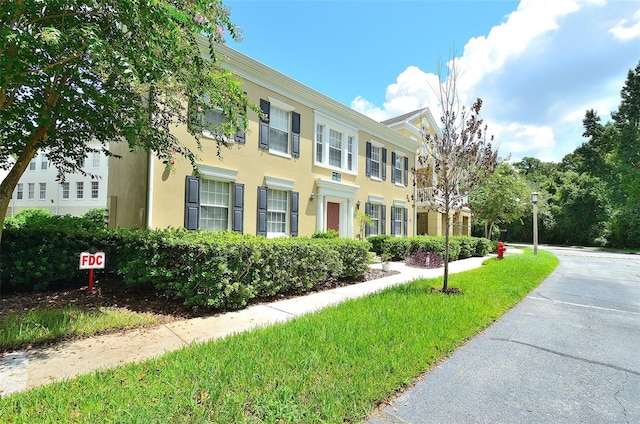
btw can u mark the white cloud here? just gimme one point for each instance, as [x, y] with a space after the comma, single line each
[626, 30]
[537, 72]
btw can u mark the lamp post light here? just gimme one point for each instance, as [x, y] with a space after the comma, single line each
[534, 200]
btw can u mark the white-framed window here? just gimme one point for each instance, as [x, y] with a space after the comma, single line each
[376, 160]
[335, 144]
[279, 130]
[397, 168]
[43, 190]
[95, 159]
[95, 189]
[396, 221]
[277, 212]
[19, 191]
[43, 162]
[215, 201]
[31, 190]
[65, 190]
[32, 165]
[374, 213]
[79, 190]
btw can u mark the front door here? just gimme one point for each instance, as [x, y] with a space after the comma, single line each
[333, 216]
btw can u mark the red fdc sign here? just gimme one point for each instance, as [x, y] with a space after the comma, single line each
[92, 260]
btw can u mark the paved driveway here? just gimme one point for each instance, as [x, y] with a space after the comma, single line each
[569, 353]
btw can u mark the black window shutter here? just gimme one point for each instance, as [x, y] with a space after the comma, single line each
[241, 135]
[406, 171]
[191, 202]
[406, 221]
[383, 219]
[261, 228]
[393, 221]
[384, 164]
[295, 134]
[263, 138]
[294, 213]
[367, 211]
[368, 167]
[393, 167]
[237, 219]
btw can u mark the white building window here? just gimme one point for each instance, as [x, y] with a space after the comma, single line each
[95, 189]
[43, 190]
[32, 165]
[65, 190]
[32, 190]
[215, 197]
[335, 144]
[79, 190]
[277, 212]
[44, 162]
[19, 191]
[95, 159]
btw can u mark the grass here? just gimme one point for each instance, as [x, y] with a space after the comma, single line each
[43, 325]
[332, 366]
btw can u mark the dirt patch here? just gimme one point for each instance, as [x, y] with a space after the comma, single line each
[112, 292]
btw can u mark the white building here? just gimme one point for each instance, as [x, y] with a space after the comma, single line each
[38, 187]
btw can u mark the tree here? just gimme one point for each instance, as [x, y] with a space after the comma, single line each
[75, 71]
[459, 153]
[503, 198]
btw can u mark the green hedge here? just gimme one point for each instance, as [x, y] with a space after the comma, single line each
[460, 247]
[216, 270]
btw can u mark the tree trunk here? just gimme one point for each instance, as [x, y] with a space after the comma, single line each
[11, 180]
[445, 283]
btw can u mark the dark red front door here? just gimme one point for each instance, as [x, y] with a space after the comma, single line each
[333, 216]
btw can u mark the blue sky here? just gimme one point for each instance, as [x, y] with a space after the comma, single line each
[537, 64]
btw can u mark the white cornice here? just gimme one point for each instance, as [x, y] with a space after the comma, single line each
[256, 72]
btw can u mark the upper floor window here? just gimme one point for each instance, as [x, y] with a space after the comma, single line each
[399, 169]
[376, 161]
[95, 159]
[32, 165]
[335, 144]
[43, 162]
[279, 128]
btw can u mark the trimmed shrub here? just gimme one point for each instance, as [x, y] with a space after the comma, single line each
[329, 234]
[377, 242]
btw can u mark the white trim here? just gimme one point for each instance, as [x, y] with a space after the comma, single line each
[399, 203]
[280, 104]
[278, 183]
[335, 188]
[222, 174]
[149, 193]
[377, 200]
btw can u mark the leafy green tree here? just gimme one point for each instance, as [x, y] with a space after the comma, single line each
[75, 71]
[460, 155]
[503, 198]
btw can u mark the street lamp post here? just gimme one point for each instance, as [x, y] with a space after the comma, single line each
[534, 200]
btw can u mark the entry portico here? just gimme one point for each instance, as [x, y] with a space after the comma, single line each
[335, 207]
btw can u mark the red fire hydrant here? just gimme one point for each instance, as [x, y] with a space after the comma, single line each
[501, 250]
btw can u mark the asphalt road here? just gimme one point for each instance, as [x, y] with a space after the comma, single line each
[569, 353]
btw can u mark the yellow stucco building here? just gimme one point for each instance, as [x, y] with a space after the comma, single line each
[312, 166]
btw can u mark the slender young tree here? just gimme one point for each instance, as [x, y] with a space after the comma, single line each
[457, 157]
[75, 71]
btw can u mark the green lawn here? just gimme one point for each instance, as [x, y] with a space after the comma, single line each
[332, 366]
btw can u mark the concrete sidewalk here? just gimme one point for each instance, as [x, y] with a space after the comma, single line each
[25, 369]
